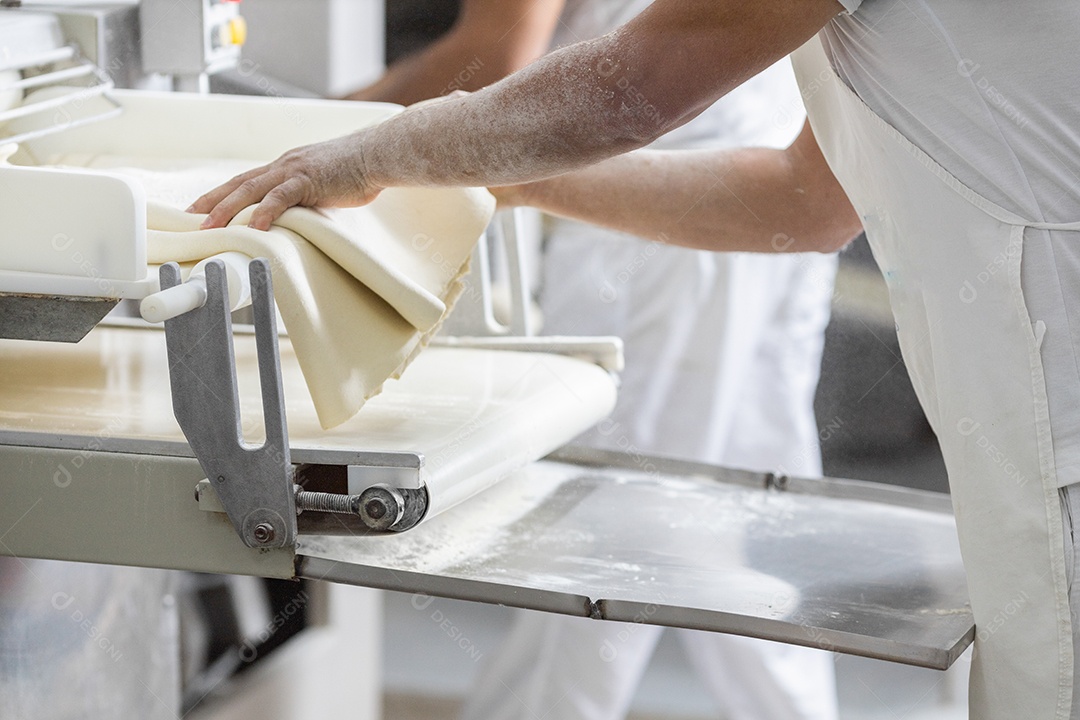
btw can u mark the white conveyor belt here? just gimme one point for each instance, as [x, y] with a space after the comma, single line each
[473, 415]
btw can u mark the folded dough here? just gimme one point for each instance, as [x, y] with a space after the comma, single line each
[360, 290]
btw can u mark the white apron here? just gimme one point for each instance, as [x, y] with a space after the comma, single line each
[951, 260]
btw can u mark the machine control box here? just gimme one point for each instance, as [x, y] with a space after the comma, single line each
[191, 37]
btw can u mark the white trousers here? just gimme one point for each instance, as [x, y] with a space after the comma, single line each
[567, 668]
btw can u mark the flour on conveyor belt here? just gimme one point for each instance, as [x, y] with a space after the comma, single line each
[361, 290]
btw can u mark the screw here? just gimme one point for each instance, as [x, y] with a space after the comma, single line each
[264, 533]
[376, 509]
[327, 502]
[381, 507]
[221, 478]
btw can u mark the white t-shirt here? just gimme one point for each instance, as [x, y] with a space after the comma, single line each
[986, 88]
[991, 90]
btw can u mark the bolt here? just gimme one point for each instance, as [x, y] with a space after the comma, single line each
[376, 509]
[221, 478]
[381, 507]
[264, 533]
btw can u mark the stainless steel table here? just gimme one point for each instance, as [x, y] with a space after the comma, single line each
[839, 565]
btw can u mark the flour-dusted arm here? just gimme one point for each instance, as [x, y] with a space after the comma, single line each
[574, 107]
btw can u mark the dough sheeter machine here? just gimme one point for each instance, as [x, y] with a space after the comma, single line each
[191, 447]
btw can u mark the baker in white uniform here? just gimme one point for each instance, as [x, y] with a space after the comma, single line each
[722, 354]
[950, 129]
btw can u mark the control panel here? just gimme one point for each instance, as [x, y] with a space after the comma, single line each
[191, 37]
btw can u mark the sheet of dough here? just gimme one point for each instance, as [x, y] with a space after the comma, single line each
[360, 290]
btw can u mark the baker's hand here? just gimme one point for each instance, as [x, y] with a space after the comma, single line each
[327, 174]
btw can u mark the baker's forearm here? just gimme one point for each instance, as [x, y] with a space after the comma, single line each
[592, 100]
[757, 200]
[523, 128]
[451, 63]
[411, 80]
[489, 40]
[572, 108]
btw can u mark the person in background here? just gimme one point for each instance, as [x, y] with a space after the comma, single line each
[722, 353]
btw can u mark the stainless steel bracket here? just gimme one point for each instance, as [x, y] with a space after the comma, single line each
[64, 108]
[474, 313]
[254, 484]
[55, 318]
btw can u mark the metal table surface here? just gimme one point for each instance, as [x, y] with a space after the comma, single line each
[839, 565]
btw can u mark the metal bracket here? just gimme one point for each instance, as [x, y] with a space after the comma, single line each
[474, 314]
[56, 318]
[64, 107]
[254, 484]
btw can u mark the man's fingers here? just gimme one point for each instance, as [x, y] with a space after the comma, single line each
[276, 202]
[209, 201]
[248, 192]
